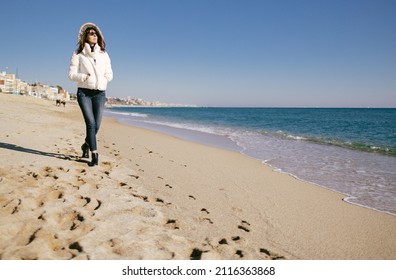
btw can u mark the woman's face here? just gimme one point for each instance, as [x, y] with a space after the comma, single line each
[92, 37]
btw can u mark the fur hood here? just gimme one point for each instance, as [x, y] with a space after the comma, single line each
[84, 27]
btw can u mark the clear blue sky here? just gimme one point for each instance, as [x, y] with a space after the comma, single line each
[338, 53]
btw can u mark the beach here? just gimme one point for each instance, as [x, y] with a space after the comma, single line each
[157, 197]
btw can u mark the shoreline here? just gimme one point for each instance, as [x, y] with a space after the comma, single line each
[155, 196]
[177, 132]
[225, 142]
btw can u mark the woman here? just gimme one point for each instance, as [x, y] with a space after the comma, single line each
[90, 67]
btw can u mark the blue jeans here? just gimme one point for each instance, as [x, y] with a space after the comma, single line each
[92, 105]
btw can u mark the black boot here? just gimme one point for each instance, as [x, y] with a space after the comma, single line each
[85, 150]
[95, 159]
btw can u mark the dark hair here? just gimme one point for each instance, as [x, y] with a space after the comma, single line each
[101, 42]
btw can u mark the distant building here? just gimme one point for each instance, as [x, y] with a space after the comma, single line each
[10, 84]
[130, 101]
[44, 91]
[2, 81]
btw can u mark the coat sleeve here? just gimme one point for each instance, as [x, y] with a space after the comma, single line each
[109, 71]
[74, 75]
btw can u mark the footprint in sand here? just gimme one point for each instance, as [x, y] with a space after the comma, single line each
[174, 224]
[143, 197]
[99, 204]
[13, 205]
[41, 217]
[50, 172]
[239, 253]
[88, 200]
[244, 226]
[206, 220]
[271, 255]
[163, 203]
[33, 174]
[234, 239]
[33, 236]
[223, 241]
[196, 254]
[76, 246]
[77, 221]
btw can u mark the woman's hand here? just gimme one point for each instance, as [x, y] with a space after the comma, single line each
[86, 77]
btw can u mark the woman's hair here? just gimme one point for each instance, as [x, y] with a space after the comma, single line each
[83, 40]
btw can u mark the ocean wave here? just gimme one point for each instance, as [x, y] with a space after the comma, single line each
[364, 147]
[139, 115]
[188, 126]
[359, 146]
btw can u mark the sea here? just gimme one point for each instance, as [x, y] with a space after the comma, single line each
[349, 150]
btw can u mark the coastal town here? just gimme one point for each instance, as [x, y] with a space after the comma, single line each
[11, 84]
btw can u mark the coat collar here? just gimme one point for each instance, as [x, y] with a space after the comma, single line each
[87, 50]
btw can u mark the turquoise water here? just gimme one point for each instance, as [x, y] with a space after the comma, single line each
[352, 151]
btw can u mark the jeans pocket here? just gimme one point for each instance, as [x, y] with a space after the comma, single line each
[80, 93]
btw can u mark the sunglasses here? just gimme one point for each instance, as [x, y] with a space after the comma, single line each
[92, 33]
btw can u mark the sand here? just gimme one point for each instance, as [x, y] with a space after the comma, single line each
[156, 197]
